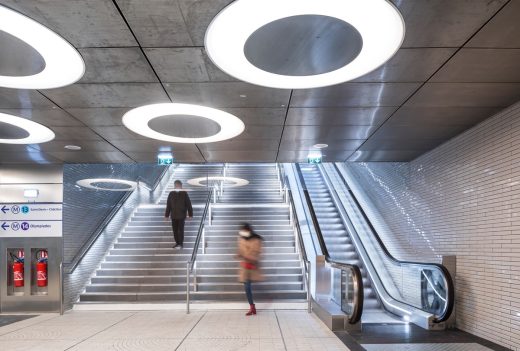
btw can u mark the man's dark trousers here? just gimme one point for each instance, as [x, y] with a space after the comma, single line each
[178, 230]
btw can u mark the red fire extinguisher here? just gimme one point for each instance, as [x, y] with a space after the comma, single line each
[18, 269]
[41, 268]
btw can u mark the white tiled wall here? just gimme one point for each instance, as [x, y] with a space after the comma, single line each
[463, 199]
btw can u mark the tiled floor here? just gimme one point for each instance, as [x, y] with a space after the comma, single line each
[171, 330]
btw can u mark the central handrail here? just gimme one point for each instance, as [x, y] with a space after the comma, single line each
[450, 288]
[354, 269]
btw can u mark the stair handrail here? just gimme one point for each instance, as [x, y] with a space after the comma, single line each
[103, 223]
[358, 288]
[450, 288]
[191, 263]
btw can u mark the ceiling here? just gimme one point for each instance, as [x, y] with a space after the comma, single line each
[459, 64]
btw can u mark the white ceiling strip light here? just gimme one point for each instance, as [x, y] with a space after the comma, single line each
[380, 24]
[37, 132]
[137, 121]
[63, 64]
[89, 184]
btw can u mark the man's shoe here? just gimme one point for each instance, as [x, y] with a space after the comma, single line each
[175, 246]
[178, 247]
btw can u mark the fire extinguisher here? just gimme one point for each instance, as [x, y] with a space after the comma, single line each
[18, 269]
[41, 268]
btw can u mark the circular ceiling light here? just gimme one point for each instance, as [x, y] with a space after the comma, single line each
[96, 183]
[298, 44]
[138, 120]
[320, 146]
[63, 64]
[72, 147]
[236, 181]
[19, 130]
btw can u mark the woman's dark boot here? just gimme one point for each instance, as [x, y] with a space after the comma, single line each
[252, 310]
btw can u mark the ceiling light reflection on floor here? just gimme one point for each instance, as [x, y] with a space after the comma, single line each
[63, 64]
[37, 133]
[137, 120]
[378, 22]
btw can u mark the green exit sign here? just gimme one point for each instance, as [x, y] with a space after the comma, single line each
[314, 158]
[165, 159]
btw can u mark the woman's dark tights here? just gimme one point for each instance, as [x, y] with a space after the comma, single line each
[249, 292]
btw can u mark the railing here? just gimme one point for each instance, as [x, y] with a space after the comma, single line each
[191, 264]
[435, 298]
[71, 267]
[351, 277]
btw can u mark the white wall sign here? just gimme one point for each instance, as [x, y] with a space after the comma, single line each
[31, 220]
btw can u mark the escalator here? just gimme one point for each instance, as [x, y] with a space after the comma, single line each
[421, 293]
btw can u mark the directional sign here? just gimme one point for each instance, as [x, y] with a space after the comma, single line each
[5, 226]
[5, 209]
[30, 229]
[31, 220]
[45, 212]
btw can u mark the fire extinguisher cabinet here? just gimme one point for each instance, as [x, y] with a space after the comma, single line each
[32, 280]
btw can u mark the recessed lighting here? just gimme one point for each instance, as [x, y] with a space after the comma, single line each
[236, 181]
[320, 146]
[63, 64]
[137, 121]
[243, 96]
[37, 133]
[378, 22]
[90, 184]
[72, 147]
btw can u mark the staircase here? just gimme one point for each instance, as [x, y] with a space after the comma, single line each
[143, 267]
[335, 234]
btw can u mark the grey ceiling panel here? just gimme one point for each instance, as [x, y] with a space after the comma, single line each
[466, 95]
[354, 95]
[178, 64]
[301, 155]
[114, 65]
[441, 115]
[49, 117]
[482, 65]
[27, 156]
[180, 156]
[338, 116]
[23, 99]
[85, 23]
[242, 144]
[307, 144]
[259, 116]
[156, 23]
[240, 156]
[444, 23]
[215, 73]
[227, 94]
[503, 31]
[327, 133]
[260, 132]
[151, 146]
[86, 146]
[75, 133]
[198, 15]
[385, 156]
[91, 157]
[108, 95]
[410, 65]
[98, 117]
[117, 133]
[419, 131]
[399, 143]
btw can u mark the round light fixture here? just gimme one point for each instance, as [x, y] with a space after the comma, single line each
[31, 132]
[138, 119]
[72, 147]
[63, 64]
[91, 184]
[293, 44]
[236, 181]
[320, 146]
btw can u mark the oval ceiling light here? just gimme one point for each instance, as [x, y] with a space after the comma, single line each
[63, 64]
[138, 119]
[246, 38]
[91, 184]
[33, 133]
[236, 182]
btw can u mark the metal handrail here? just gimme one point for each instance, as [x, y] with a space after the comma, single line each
[354, 269]
[103, 223]
[450, 288]
[191, 263]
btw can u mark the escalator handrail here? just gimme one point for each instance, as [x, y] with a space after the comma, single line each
[450, 288]
[356, 272]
